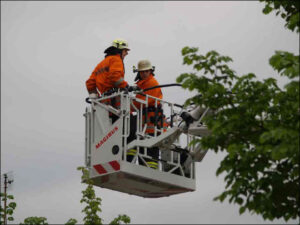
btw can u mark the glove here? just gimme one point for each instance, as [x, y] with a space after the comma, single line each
[93, 96]
[133, 88]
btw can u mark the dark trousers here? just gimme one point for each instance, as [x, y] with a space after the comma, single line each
[133, 128]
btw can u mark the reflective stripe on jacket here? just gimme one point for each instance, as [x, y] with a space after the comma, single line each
[109, 73]
[156, 117]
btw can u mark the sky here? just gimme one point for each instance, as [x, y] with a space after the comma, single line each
[48, 51]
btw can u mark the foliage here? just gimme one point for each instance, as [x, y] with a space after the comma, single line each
[90, 210]
[11, 206]
[71, 221]
[288, 10]
[93, 203]
[257, 123]
[286, 64]
[34, 220]
[120, 218]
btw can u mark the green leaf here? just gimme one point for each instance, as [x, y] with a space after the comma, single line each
[239, 201]
[9, 211]
[187, 50]
[71, 221]
[10, 197]
[12, 205]
[242, 210]
[267, 9]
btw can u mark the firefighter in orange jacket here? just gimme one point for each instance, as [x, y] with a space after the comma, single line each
[109, 73]
[145, 79]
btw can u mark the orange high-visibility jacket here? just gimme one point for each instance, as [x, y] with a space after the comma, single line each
[147, 83]
[109, 73]
[150, 120]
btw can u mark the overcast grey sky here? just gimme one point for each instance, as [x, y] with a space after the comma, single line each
[49, 49]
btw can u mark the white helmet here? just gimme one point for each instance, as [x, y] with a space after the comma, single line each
[120, 44]
[144, 65]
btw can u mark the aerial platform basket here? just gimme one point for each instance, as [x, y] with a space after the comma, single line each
[142, 181]
[106, 149]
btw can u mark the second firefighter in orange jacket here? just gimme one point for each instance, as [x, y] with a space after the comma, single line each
[154, 116]
[147, 80]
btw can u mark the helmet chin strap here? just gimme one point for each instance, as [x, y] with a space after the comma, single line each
[138, 77]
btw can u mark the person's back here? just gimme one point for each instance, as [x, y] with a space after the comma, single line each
[109, 73]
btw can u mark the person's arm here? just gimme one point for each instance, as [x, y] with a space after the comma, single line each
[91, 84]
[116, 73]
[156, 92]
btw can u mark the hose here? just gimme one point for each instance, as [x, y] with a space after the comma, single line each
[161, 86]
[87, 100]
[147, 89]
